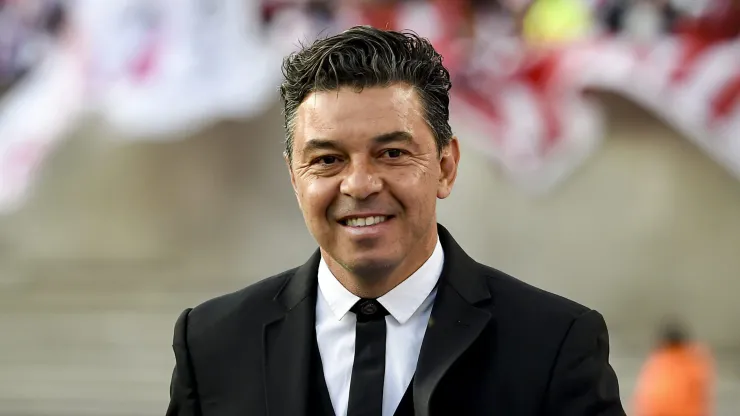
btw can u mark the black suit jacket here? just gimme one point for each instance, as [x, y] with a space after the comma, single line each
[494, 346]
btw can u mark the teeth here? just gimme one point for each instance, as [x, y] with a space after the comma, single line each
[364, 222]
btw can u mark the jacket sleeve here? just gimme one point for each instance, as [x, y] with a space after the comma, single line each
[582, 382]
[184, 400]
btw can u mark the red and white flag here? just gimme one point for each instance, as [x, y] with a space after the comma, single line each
[537, 124]
[34, 116]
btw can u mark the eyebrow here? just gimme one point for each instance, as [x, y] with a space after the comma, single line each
[383, 139]
[394, 137]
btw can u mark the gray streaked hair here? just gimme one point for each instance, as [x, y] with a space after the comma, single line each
[364, 57]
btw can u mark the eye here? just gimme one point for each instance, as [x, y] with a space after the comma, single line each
[326, 160]
[394, 153]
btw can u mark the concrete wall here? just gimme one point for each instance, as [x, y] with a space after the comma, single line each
[122, 237]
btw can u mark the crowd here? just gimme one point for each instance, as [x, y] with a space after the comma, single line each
[27, 27]
[139, 58]
[490, 36]
[541, 19]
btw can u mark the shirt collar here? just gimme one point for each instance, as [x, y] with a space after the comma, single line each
[401, 302]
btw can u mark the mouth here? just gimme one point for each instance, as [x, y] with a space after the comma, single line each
[367, 221]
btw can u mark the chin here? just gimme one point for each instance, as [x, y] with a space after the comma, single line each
[371, 267]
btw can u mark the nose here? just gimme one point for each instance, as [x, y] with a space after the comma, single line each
[362, 181]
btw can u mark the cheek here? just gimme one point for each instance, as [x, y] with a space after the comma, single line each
[416, 191]
[315, 197]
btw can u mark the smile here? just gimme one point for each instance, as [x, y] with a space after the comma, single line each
[365, 221]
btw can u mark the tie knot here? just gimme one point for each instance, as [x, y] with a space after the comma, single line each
[369, 310]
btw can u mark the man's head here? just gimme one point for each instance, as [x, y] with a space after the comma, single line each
[368, 135]
[364, 57]
[673, 333]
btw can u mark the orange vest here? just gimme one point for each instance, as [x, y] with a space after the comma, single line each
[675, 381]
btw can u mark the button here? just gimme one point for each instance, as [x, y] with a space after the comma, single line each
[369, 308]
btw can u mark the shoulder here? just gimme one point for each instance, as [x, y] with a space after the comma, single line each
[522, 296]
[240, 308]
[539, 325]
[522, 306]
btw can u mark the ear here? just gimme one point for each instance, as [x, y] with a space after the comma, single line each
[449, 159]
[292, 176]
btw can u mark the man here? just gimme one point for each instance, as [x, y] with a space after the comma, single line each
[644, 20]
[678, 377]
[389, 316]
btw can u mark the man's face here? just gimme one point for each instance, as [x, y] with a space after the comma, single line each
[367, 175]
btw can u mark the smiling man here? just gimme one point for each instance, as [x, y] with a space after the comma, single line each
[389, 316]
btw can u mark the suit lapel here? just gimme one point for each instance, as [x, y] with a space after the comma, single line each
[287, 341]
[455, 322]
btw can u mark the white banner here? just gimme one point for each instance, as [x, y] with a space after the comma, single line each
[154, 69]
[162, 68]
[34, 116]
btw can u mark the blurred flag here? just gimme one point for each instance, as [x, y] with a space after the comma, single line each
[534, 123]
[539, 127]
[34, 116]
[162, 68]
[153, 69]
[157, 69]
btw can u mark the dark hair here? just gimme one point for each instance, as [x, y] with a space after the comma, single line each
[56, 19]
[364, 57]
[673, 333]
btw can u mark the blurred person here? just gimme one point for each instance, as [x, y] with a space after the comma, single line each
[677, 378]
[287, 22]
[458, 17]
[320, 9]
[518, 10]
[389, 316]
[495, 24]
[379, 13]
[641, 18]
[556, 21]
[28, 30]
[648, 20]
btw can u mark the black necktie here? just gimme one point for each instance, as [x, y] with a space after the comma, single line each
[368, 370]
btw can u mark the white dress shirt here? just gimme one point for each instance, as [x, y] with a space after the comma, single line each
[409, 305]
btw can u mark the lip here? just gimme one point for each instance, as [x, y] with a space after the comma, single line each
[368, 230]
[363, 215]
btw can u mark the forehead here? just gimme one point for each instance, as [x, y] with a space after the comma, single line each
[347, 113]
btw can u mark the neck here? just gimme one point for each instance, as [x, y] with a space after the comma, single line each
[375, 282]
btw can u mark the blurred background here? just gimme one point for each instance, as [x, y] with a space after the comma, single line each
[141, 173]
